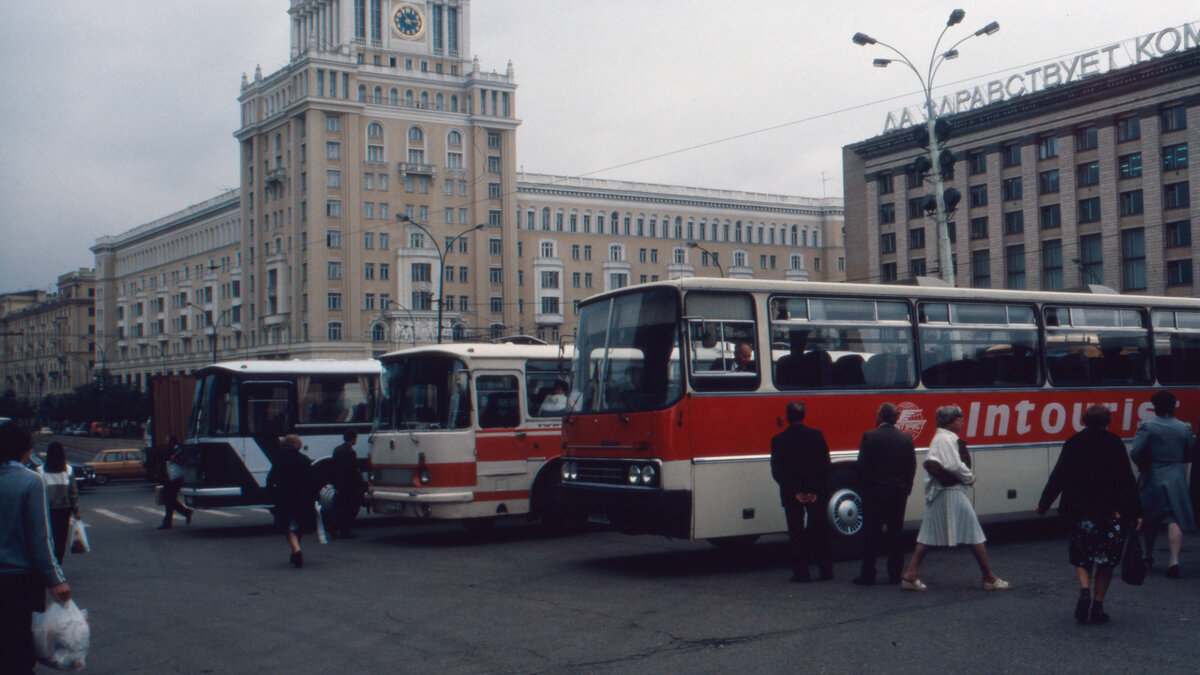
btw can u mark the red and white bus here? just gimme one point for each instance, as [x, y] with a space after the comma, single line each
[664, 436]
[470, 431]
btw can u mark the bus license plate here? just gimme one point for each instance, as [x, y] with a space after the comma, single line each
[598, 519]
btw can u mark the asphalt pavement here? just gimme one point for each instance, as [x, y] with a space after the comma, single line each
[219, 596]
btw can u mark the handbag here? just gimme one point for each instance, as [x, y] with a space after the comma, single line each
[1133, 562]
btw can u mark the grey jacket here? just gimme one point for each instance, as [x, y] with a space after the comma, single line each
[25, 545]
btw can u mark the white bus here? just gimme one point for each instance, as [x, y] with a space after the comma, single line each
[470, 432]
[241, 409]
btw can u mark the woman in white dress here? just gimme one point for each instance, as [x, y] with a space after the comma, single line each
[949, 517]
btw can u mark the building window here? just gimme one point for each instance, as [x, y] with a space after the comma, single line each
[496, 276]
[1088, 174]
[421, 272]
[1012, 188]
[333, 150]
[884, 181]
[979, 228]
[335, 331]
[916, 238]
[1086, 138]
[1173, 117]
[1133, 259]
[1178, 233]
[550, 280]
[981, 269]
[334, 301]
[1048, 182]
[333, 208]
[1014, 222]
[333, 269]
[976, 162]
[915, 210]
[887, 213]
[916, 267]
[887, 242]
[1011, 154]
[493, 164]
[1050, 216]
[887, 272]
[1129, 129]
[977, 195]
[1052, 271]
[1091, 270]
[1175, 196]
[384, 271]
[1130, 166]
[1131, 202]
[368, 270]
[1179, 272]
[333, 123]
[333, 238]
[1047, 147]
[1175, 157]
[1089, 210]
[1014, 267]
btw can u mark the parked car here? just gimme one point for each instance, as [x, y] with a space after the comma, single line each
[118, 463]
[100, 429]
[45, 431]
[84, 477]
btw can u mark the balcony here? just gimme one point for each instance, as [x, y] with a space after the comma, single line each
[546, 319]
[278, 174]
[416, 169]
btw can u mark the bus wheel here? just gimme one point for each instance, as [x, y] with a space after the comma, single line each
[845, 515]
[734, 542]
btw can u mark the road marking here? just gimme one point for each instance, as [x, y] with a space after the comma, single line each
[214, 512]
[118, 517]
[257, 510]
[147, 509]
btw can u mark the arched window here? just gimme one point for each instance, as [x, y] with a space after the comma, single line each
[408, 97]
[415, 135]
[680, 255]
[459, 332]
[378, 333]
[691, 229]
[546, 218]
[424, 100]
[453, 102]
[454, 138]
[795, 236]
[804, 238]
[678, 227]
[438, 101]
[393, 97]
[454, 154]
[377, 95]
[817, 237]
[362, 93]
[375, 130]
[530, 219]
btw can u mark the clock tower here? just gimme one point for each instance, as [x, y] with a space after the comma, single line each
[368, 164]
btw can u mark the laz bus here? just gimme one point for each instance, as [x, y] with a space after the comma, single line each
[470, 432]
[665, 435]
[241, 409]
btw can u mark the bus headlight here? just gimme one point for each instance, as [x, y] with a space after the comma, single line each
[423, 475]
[570, 471]
[635, 474]
[648, 474]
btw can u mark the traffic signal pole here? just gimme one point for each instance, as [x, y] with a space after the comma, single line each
[945, 255]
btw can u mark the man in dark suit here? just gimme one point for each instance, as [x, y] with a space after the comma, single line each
[887, 463]
[800, 464]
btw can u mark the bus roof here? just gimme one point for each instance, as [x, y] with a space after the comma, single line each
[486, 350]
[297, 366]
[1097, 294]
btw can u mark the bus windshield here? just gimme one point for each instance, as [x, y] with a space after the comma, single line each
[627, 353]
[427, 392]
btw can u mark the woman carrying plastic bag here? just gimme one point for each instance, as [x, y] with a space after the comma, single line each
[79, 539]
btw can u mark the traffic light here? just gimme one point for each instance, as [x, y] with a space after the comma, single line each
[951, 196]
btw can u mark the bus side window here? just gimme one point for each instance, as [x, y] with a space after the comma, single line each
[499, 401]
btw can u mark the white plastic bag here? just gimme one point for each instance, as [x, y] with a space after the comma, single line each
[79, 540]
[62, 636]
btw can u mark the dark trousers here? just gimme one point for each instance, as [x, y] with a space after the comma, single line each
[20, 596]
[880, 512]
[345, 508]
[171, 501]
[808, 538]
[60, 531]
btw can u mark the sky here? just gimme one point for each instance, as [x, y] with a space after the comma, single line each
[119, 112]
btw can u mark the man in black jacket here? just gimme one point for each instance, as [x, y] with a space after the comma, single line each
[800, 464]
[887, 464]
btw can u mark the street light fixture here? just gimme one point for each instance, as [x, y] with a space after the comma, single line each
[442, 253]
[936, 59]
[715, 259]
[212, 323]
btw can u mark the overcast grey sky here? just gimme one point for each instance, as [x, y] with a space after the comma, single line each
[118, 112]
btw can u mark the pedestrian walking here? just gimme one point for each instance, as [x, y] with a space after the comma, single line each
[950, 519]
[346, 478]
[27, 564]
[800, 464]
[62, 496]
[295, 501]
[1161, 449]
[887, 465]
[177, 463]
[1100, 497]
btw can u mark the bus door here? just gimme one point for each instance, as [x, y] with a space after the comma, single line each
[501, 441]
[270, 412]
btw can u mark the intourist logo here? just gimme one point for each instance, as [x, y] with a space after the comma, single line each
[911, 421]
[1026, 418]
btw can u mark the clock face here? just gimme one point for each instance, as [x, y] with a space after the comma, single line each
[408, 21]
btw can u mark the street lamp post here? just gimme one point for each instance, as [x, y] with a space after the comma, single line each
[936, 59]
[715, 259]
[442, 253]
[212, 323]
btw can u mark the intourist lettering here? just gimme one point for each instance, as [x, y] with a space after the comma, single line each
[1059, 72]
[1026, 418]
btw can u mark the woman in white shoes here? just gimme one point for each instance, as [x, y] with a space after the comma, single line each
[950, 519]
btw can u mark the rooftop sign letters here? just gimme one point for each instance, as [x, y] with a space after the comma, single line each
[1071, 69]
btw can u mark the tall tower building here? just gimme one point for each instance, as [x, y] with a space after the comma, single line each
[379, 113]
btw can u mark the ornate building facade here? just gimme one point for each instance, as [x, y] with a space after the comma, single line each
[48, 341]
